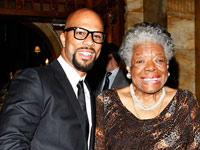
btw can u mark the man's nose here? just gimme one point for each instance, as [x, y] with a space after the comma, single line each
[89, 40]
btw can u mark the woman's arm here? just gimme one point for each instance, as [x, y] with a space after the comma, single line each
[100, 132]
[194, 137]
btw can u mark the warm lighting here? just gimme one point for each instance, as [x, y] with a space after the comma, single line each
[46, 61]
[37, 49]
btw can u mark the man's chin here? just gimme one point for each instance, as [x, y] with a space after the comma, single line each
[83, 68]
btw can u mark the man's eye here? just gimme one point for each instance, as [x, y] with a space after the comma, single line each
[96, 36]
[80, 33]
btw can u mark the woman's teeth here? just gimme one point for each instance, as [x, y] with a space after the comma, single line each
[150, 79]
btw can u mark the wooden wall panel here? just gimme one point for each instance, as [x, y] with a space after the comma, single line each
[197, 48]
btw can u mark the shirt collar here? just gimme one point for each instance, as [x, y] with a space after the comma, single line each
[71, 74]
[115, 71]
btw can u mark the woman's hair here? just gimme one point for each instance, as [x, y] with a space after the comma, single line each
[145, 32]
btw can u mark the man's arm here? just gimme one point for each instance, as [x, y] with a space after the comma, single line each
[22, 111]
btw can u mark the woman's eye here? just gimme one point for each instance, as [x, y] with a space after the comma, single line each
[139, 61]
[159, 60]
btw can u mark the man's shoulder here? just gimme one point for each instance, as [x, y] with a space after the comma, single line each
[42, 71]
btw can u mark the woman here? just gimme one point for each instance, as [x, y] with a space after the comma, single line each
[147, 115]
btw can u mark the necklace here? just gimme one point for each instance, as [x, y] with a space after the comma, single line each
[142, 106]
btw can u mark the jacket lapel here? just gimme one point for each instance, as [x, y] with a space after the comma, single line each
[70, 95]
[93, 115]
[92, 101]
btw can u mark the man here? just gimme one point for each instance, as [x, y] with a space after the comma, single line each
[114, 76]
[42, 111]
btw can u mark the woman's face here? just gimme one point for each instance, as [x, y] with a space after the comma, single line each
[149, 68]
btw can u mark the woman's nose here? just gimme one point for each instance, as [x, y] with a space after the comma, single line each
[150, 66]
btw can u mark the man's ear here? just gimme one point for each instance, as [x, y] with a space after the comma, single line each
[62, 39]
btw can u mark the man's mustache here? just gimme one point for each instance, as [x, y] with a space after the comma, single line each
[90, 48]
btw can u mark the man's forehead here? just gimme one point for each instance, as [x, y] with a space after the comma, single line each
[84, 17]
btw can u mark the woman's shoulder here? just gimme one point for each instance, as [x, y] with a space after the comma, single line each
[108, 92]
[185, 93]
[112, 95]
[179, 92]
[123, 91]
[170, 91]
[185, 96]
[180, 96]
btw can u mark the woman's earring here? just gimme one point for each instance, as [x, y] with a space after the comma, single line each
[128, 75]
[168, 74]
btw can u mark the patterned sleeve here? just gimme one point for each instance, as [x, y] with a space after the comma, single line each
[194, 138]
[99, 133]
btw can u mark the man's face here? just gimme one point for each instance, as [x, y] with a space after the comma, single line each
[81, 54]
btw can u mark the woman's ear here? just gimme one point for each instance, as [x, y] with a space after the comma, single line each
[128, 75]
[128, 69]
[62, 39]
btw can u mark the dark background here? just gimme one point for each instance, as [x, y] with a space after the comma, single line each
[17, 43]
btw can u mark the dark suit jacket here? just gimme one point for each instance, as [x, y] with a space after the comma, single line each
[120, 81]
[43, 113]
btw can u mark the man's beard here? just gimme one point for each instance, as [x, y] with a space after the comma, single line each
[80, 67]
